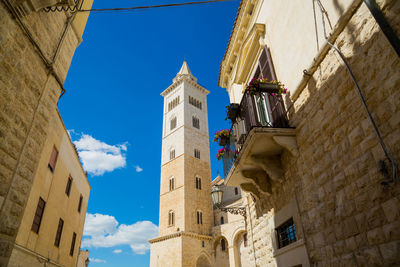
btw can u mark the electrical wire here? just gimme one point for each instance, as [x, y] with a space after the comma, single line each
[376, 129]
[154, 6]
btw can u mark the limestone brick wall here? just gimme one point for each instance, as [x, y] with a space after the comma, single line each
[346, 217]
[166, 253]
[28, 96]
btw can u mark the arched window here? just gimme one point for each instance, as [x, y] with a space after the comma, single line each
[173, 123]
[222, 219]
[245, 239]
[236, 191]
[199, 217]
[172, 154]
[223, 245]
[198, 183]
[197, 153]
[196, 122]
[171, 183]
[171, 218]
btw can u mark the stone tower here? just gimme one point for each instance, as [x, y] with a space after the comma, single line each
[185, 220]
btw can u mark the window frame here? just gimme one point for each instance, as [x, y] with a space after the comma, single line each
[287, 230]
[197, 153]
[60, 227]
[69, 185]
[172, 123]
[72, 249]
[80, 203]
[171, 218]
[171, 184]
[199, 217]
[53, 159]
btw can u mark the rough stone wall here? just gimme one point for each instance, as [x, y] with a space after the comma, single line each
[348, 217]
[28, 96]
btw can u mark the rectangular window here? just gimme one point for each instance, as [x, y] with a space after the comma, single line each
[69, 184]
[80, 203]
[171, 184]
[197, 153]
[286, 233]
[198, 183]
[71, 251]
[59, 232]
[38, 215]
[53, 159]
[171, 218]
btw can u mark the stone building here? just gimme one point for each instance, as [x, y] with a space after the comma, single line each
[320, 182]
[36, 49]
[186, 215]
[191, 232]
[52, 224]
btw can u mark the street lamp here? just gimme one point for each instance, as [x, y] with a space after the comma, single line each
[216, 196]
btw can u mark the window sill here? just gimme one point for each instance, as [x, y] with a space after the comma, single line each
[289, 247]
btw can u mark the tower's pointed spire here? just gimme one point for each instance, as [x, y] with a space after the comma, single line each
[184, 72]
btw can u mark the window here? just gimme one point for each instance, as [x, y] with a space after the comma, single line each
[197, 153]
[68, 188]
[198, 183]
[172, 104]
[199, 217]
[38, 215]
[59, 232]
[71, 251]
[80, 203]
[173, 123]
[236, 191]
[223, 245]
[196, 122]
[53, 159]
[286, 233]
[195, 102]
[245, 239]
[222, 220]
[171, 218]
[171, 154]
[203, 244]
[171, 184]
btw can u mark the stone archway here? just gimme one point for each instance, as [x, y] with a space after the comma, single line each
[202, 261]
[241, 249]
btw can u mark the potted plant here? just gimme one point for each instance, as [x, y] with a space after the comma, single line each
[232, 112]
[221, 152]
[262, 85]
[221, 137]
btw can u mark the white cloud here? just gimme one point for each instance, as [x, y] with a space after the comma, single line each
[104, 231]
[138, 169]
[97, 260]
[117, 251]
[98, 157]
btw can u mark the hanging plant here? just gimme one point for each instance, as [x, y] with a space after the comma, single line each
[232, 112]
[262, 85]
[224, 150]
[221, 137]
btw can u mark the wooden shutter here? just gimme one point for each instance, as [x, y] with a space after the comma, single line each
[71, 251]
[37, 220]
[69, 184]
[59, 232]
[53, 159]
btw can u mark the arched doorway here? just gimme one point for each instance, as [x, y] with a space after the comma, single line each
[221, 252]
[202, 261]
[241, 249]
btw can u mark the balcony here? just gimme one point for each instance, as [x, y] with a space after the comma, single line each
[259, 136]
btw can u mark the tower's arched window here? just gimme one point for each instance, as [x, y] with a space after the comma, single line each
[198, 183]
[222, 220]
[197, 153]
[171, 183]
[173, 123]
[171, 217]
[223, 244]
[199, 217]
[196, 122]
[172, 154]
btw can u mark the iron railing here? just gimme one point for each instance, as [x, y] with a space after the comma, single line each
[263, 110]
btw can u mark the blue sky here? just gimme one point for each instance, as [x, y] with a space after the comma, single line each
[113, 110]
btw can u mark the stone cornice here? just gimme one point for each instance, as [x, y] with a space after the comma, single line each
[175, 84]
[241, 25]
[179, 234]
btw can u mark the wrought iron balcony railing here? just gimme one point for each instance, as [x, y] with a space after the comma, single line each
[264, 110]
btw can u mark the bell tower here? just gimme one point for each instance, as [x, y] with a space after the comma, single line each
[185, 218]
